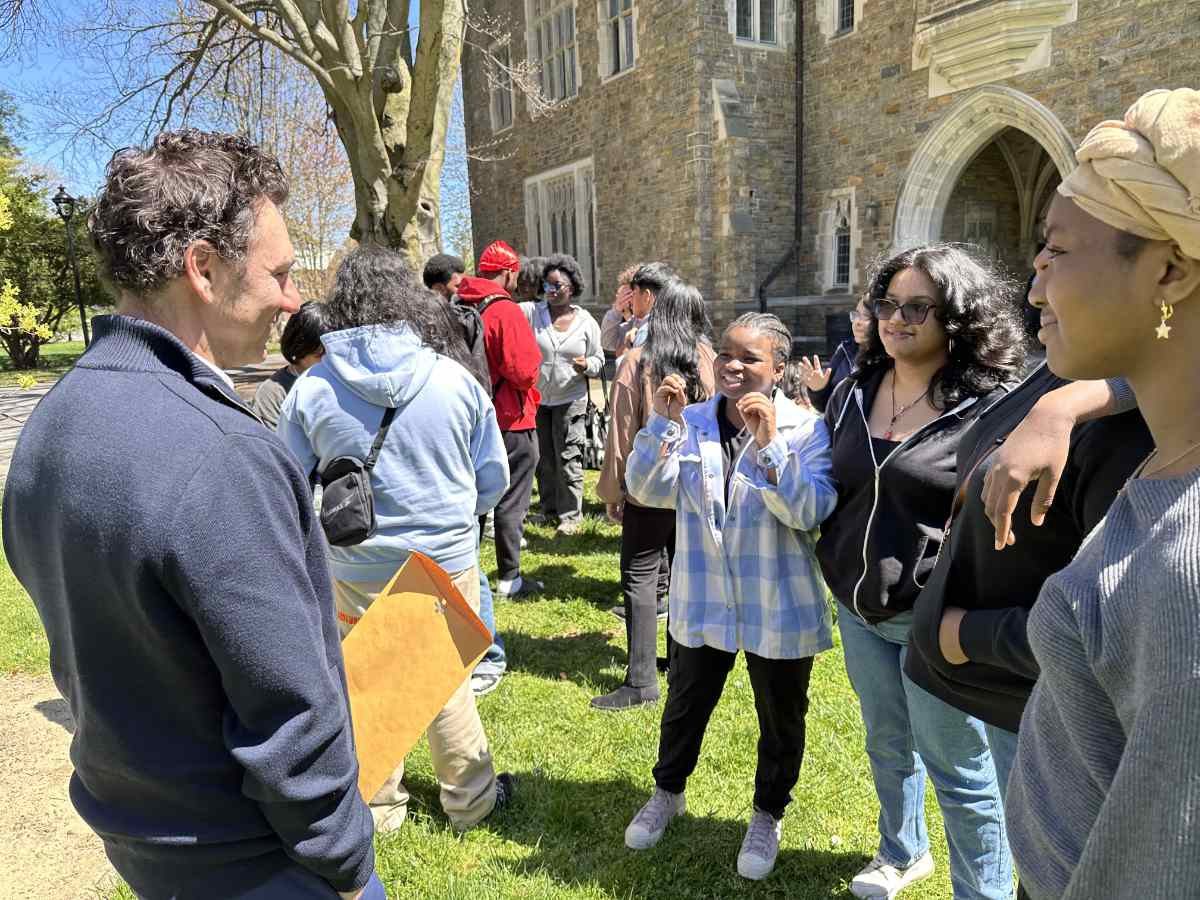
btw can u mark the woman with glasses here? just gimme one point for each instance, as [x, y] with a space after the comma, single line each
[820, 381]
[569, 339]
[944, 341]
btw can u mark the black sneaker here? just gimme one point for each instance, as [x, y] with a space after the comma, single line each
[624, 697]
[660, 613]
[506, 786]
[662, 664]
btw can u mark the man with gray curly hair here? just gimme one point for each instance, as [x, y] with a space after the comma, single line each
[169, 543]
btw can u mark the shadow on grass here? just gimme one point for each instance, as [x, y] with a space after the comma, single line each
[576, 831]
[564, 581]
[579, 657]
[585, 543]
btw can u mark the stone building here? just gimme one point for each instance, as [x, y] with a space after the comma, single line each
[668, 129]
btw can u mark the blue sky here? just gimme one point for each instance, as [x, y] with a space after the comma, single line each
[53, 66]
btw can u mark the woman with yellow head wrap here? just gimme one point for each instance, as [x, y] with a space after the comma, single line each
[1104, 800]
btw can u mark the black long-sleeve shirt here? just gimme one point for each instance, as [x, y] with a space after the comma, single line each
[998, 588]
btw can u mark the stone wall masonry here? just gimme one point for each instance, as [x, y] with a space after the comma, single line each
[867, 111]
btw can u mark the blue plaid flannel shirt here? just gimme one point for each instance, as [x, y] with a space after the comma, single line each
[744, 578]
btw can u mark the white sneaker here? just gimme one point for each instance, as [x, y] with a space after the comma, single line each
[651, 821]
[760, 846]
[881, 879]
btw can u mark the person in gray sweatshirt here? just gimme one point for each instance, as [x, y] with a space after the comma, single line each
[569, 339]
[1105, 794]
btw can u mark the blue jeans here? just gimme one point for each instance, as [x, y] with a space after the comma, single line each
[1003, 744]
[494, 662]
[910, 733]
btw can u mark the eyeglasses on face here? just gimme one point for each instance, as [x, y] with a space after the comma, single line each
[549, 287]
[859, 316]
[911, 313]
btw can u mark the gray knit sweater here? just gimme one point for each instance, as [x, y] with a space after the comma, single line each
[1104, 801]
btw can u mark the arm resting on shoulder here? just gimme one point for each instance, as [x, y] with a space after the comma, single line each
[1037, 449]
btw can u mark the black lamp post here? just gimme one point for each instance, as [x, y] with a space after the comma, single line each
[65, 204]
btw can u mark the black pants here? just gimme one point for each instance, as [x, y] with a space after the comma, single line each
[510, 511]
[647, 549]
[780, 698]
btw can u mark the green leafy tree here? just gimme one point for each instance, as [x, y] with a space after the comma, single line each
[36, 294]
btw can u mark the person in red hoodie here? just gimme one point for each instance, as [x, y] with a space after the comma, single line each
[513, 359]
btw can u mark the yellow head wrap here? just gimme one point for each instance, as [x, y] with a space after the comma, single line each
[1142, 174]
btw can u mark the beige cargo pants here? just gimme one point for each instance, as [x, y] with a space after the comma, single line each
[462, 761]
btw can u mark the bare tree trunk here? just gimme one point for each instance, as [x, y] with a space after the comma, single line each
[397, 170]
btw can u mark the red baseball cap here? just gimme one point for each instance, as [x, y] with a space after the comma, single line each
[499, 257]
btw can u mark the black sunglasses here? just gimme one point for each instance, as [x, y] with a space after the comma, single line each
[911, 313]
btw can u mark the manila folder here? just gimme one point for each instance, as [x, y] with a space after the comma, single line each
[407, 655]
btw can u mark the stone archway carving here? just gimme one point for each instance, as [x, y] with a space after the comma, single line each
[951, 145]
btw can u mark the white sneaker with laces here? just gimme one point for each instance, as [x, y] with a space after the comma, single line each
[760, 846]
[651, 821]
[881, 879]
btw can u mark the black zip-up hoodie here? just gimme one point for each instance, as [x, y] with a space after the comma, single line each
[841, 364]
[999, 588]
[878, 547]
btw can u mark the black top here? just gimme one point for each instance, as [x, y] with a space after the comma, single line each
[999, 588]
[841, 365]
[733, 439]
[894, 518]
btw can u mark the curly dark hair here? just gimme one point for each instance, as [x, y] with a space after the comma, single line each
[530, 274]
[569, 267]
[188, 186]
[375, 286]
[977, 309]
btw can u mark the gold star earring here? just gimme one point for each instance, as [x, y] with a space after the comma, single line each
[1164, 330]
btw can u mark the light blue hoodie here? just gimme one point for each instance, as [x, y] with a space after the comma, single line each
[442, 465]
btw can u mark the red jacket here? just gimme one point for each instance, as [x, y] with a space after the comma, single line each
[512, 354]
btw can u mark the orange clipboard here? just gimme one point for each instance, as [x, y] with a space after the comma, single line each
[408, 654]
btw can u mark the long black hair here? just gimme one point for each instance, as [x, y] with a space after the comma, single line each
[977, 310]
[375, 286]
[677, 324]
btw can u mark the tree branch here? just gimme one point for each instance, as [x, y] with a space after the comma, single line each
[306, 54]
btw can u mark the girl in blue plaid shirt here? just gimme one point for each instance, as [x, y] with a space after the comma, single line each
[748, 474]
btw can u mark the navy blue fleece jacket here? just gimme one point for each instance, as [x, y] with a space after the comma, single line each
[169, 543]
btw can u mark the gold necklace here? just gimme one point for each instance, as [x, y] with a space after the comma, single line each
[1142, 473]
[896, 414]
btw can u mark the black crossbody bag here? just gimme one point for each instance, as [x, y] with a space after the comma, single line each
[347, 503]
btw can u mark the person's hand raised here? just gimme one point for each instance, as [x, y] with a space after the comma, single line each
[759, 414]
[671, 398]
[813, 374]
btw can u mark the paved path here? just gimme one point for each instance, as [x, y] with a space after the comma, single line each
[16, 403]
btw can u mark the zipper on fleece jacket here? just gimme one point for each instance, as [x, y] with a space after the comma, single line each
[878, 466]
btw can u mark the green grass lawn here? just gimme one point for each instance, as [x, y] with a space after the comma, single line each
[56, 359]
[583, 773]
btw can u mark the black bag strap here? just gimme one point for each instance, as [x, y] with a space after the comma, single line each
[373, 456]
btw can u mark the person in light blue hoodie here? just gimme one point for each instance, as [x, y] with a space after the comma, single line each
[441, 466]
